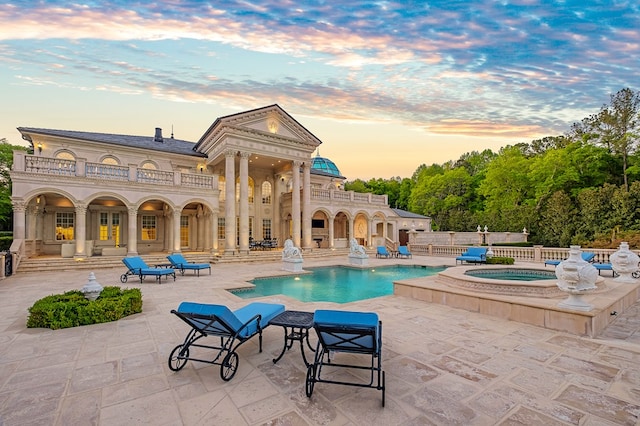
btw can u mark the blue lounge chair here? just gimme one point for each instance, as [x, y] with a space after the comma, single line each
[404, 252]
[587, 256]
[179, 262]
[605, 267]
[358, 333]
[233, 329]
[138, 267]
[473, 255]
[381, 251]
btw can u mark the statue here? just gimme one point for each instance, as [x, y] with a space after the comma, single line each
[290, 251]
[357, 255]
[355, 248]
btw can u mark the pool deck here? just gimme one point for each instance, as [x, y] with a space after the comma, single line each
[443, 365]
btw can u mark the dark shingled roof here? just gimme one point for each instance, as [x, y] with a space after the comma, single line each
[169, 145]
[409, 215]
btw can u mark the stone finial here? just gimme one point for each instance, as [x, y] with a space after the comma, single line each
[92, 288]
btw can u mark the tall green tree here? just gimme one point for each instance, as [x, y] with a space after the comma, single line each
[616, 127]
[6, 161]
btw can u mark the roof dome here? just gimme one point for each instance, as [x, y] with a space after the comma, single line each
[325, 165]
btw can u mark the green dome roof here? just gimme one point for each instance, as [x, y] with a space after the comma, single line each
[325, 165]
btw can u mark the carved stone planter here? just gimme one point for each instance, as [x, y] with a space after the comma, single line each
[624, 263]
[576, 277]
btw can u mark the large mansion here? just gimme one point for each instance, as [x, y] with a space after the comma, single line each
[251, 179]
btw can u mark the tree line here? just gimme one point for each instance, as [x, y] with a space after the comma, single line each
[582, 187]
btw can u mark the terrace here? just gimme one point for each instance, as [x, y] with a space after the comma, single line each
[444, 365]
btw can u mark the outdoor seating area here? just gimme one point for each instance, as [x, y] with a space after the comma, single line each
[382, 252]
[269, 244]
[232, 328]
[473, 255]
[444, 365]
[587, 256]
[137, 266]
[179, 262]
[340, 334]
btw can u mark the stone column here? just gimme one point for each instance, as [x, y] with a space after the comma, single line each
[331, 232]
[200, 229]
[295, 203]
[306, 206]
[214, 230]
[230, 201]
[177, 248]
[132, 232]
[244, 202]
[81, 231]
[19, 230]
[351, 233]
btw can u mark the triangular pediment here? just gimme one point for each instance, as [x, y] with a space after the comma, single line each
[271, 124]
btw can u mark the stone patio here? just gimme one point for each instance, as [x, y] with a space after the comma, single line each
[443, 365]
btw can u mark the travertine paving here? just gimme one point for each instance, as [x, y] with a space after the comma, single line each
[443, 365]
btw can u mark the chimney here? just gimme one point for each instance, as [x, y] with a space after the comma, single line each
[158, 136]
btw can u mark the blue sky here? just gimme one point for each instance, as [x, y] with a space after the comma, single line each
[385, 85]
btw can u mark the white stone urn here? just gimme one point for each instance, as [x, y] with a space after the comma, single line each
[577, 277]
[92, 288]
[624, 263]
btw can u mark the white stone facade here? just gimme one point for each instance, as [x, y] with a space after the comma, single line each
[91, 193]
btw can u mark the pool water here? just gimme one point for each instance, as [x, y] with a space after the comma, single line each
[339, 284]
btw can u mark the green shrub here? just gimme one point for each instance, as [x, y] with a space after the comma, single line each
[72, 309]
[500, 260]
[5, 242]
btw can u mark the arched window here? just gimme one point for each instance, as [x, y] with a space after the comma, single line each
[251, 189]
[110, 160]
[65, 155]
[149, 165]
[266, 192]
[221, 187]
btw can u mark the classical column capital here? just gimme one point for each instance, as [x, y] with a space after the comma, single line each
[81, 208]
[18, 205]
[296, 163]
[245, 155]
[133, 211]
[230, 153]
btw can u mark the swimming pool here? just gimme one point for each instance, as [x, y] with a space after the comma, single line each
[340, 284]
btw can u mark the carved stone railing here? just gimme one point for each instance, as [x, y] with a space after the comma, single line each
[49, 166]
[196, 181]
[523, 254]
[106, 171]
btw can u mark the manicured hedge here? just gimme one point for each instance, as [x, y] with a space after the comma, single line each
[72, 309]
[500, 260]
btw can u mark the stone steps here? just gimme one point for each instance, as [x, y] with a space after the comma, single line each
[53, 263]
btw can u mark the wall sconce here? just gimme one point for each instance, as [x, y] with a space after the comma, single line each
[39, 148]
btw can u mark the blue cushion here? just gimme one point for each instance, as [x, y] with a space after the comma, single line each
[179, 261]
[353, 324]
[267, 310]
[135, 264]
[230, 322]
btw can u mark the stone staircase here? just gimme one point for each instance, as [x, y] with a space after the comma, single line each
[55, 263]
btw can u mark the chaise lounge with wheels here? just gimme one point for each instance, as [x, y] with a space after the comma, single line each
[605, 267]
[404, 252]
[342, 334]
[180, 263]
[381, 251]
[232, 328]
[587, 256]
[138, 267]
[473, 255]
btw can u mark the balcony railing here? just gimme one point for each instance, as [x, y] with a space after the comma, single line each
[108, 172]
[323, 195]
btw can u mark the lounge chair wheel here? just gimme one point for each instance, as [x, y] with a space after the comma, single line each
[310, 380]
[229, 366]
[175, 363]
[123, 278]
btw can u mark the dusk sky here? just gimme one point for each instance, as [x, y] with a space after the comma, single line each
[385, 85]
